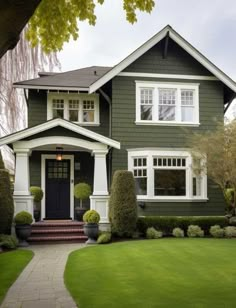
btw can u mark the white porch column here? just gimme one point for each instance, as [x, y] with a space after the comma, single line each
[100, 173]
[99, 199]
[23, 199]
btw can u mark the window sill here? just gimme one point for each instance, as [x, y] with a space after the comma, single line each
[158, 200]
[86, 124]
[166, 123]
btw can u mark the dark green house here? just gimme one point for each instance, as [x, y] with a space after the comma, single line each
[85, 124]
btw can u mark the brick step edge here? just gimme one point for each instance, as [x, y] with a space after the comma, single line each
[57, 224]
[58, 238]
[42, 231]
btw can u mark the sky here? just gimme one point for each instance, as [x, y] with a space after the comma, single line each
[209, 25]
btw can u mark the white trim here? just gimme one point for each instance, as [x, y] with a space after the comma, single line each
[58, 122]
[155, 86]
[74, 96]
[43, 182]
[19, 146]
[149, 154]
[168, 76]
[56, 88]
[152, 42]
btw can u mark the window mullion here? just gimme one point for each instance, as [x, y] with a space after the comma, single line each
[150, 177]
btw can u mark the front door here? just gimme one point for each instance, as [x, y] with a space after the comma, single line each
[57, 189]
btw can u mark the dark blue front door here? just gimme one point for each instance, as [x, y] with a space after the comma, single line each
[57, 189]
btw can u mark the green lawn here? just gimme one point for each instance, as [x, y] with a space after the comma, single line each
[11, 265]
[154, 273]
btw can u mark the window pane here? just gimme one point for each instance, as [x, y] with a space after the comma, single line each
[146, 96]
[187, 97]
[88, 116]
[58, 113]
[166, 113]
[167, 96]
[196, 186]
[187, 114]
[141, 186]
[169, 183]
[146, 112]
[73, 115]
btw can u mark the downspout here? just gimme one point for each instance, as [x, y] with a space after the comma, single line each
[229, 103]
[109, 101]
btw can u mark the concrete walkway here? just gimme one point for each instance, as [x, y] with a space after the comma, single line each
[41, 284]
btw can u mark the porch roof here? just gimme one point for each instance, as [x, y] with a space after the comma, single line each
[22, 134]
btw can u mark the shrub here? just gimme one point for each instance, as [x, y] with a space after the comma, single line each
[23, 218]
[177, 232]
[216, 231]
[37, 193]
[195, 231]
[8, 241]
[91, 216]
[6, 200]
[230, 232]
[104, 238]
[82, 191]
[123, 204]
[168, 223]
[152, 233]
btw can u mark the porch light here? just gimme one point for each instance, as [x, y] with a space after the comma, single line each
[59, 154]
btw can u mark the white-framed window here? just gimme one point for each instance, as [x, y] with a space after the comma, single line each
[167, 103]
[78, 108]
[164, 174]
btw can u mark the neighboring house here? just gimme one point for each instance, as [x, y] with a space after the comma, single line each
[136, 116]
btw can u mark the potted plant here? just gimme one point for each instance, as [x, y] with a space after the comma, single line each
[23, 221]
[37, 193]
[82, 191]
[91, 219]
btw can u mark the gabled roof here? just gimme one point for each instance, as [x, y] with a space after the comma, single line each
[152, 42]
[58, 122]
[77, 80]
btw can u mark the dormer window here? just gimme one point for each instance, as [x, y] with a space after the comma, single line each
[79, 108]
[163, 103]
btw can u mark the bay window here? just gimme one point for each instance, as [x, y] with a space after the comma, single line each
[166, 175]
[167, 103]
[80, 108]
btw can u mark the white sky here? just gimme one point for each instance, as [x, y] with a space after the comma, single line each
[209, 25]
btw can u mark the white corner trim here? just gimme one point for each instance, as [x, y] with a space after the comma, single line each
[152, 42]
[168, 76]
[58, 122]
[43, 182]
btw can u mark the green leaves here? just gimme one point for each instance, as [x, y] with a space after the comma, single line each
[55, 21]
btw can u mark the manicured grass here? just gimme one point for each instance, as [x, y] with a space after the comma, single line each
[11, 265]
[154, 273]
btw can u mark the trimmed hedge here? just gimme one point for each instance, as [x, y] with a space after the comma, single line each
[6, 200]
[167, 223]
[123, 204]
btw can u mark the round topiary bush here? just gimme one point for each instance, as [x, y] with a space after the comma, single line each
[37, 193]
[92, 217]
[123, 204]
[82, 191]
[23, 218]
[6, 200]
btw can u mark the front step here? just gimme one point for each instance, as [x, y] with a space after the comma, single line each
[57, 232]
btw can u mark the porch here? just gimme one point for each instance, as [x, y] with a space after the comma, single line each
[83, 158]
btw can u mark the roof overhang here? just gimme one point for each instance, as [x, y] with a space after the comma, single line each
[152, 42]
[54, 123]
[52, 88]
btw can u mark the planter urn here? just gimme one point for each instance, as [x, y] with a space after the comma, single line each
[91, 230]
[23, 233]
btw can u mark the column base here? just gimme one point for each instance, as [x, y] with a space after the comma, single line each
[24, 203]
[100, 204]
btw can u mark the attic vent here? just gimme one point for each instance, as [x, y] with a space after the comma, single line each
[95, 73]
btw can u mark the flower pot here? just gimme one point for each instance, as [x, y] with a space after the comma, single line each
[23, 232]
[79, 213]
[37, 215]
[91, 230]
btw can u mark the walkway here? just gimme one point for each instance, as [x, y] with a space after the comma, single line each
[41, 284]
